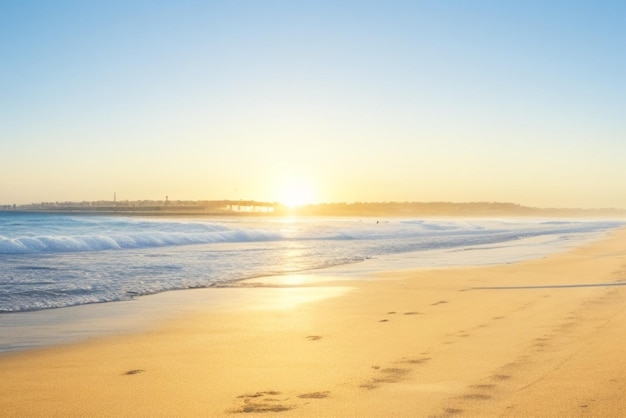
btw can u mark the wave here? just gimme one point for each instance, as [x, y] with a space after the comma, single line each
[47, 278]
[93, 235]
[125, 241]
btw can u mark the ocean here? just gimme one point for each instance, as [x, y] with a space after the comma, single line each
[55, 260]
[67, 278]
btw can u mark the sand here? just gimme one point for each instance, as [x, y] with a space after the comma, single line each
[536, 338]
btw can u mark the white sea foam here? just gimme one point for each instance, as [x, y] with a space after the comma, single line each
[100, 241]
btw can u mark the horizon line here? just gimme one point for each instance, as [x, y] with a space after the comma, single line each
[250, 202]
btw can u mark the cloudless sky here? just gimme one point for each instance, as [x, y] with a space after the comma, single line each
[513, 101]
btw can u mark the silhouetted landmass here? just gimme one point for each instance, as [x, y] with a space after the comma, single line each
[249, 207]
[447, 209]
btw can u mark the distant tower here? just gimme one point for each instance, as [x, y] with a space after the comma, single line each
[114, 197]
[167, 200]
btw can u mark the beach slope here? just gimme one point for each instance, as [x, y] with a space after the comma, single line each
[536, 338]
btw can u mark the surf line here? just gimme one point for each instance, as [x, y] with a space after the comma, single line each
[546, 286]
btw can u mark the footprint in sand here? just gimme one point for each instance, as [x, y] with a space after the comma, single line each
[476, 396]
[484, 386]
[261, 402]
[267, 401]
[392, 374]
[441, 302]
[259, 394]
[389, 375]
[313, 337]
[134, 371]
[419, 360]
[314, 395]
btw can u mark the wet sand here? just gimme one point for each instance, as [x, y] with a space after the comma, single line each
[536, 338]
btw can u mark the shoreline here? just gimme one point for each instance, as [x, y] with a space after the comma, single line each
[73, 324]
[406, 343]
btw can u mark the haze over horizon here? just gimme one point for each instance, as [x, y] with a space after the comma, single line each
[306, 102]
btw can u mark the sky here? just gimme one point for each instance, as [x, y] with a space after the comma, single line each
[314, 101]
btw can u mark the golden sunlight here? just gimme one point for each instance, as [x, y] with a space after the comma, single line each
[295, 192]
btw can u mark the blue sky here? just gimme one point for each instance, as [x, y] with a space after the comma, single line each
[519, 101]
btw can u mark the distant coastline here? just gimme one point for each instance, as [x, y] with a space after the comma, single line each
[257, 208]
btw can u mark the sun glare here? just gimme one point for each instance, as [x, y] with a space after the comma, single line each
[296, 192]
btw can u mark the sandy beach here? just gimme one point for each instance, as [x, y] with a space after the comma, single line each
[536, 338]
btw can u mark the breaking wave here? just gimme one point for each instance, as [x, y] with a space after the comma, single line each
[121, 241]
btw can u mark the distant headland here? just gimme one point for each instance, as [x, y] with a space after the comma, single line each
[257, 208]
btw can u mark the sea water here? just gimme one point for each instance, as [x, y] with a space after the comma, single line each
[65, 278]
[52, 261]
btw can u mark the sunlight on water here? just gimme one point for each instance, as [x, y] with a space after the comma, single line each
[52, 261]
[74, 263]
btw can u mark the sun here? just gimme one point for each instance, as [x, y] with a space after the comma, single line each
[295, 192]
